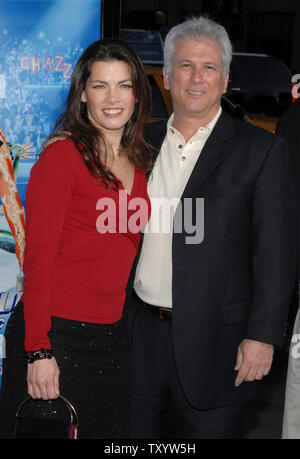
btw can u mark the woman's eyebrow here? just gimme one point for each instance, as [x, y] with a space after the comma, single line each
[105, 82]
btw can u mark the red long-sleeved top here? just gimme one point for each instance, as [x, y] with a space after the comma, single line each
[73, 269]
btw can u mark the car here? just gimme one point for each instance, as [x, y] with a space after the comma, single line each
[261, 83]
[162, 103]
[268, 123]
[161, 99]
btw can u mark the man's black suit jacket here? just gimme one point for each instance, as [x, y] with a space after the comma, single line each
[239, 281]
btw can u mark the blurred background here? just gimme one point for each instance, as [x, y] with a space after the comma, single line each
[269, 26]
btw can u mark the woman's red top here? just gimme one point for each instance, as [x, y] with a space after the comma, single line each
[81, 240]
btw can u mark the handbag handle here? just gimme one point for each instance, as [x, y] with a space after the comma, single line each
[72, 411]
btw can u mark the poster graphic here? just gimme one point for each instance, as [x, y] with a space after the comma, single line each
[40, 43]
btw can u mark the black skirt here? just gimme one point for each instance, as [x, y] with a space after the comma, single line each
[94, 365]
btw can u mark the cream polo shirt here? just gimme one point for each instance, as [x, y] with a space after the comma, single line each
[171, 172]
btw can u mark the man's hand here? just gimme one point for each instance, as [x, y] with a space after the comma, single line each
[254, 360]
[43, 379]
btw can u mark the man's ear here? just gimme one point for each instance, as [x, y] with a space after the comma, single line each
[225, 83]
[166, 79]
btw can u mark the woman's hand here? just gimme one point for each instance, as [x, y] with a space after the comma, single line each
[43, 379]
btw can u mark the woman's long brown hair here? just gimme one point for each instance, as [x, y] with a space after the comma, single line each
[75, 124]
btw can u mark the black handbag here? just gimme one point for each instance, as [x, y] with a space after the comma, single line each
[35, 424]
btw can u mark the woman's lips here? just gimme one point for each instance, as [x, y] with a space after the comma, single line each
[112, 111]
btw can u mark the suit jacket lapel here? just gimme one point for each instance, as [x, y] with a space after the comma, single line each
[212, 154]
[214, 151]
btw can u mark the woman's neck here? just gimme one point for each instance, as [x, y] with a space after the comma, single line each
[113, 144]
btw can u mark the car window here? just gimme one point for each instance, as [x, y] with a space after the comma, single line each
[260, 68]
[158, 106]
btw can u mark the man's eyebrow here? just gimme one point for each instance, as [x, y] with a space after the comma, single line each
[191, 61]
[184, 60]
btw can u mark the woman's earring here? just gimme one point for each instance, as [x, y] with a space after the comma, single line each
[134, 114]
[83, 109]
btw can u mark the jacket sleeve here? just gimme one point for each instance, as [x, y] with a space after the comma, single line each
[273, 247]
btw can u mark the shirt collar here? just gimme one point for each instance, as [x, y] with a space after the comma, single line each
[203, 131]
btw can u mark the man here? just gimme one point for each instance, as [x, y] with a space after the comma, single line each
[207, 313]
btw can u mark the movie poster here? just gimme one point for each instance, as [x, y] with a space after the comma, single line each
[40, 42]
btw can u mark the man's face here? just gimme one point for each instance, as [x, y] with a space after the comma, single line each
[196, 79]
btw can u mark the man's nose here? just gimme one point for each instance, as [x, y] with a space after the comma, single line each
[197, 74]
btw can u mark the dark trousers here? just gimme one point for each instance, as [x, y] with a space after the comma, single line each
[159, 408]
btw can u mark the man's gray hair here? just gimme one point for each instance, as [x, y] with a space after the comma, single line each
[195, 28]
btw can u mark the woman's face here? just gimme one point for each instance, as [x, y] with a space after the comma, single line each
[109, 96]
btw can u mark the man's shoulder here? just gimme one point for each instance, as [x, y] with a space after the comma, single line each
[244, 130]
[155, 130]
[249, 140]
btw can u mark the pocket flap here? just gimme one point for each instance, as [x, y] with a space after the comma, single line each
[233, 313]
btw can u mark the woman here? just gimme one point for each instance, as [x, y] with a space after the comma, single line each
[76, 274]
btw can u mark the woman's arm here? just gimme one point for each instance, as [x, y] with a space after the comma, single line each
[48, 197]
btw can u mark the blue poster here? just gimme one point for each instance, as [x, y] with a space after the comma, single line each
[40, 43]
